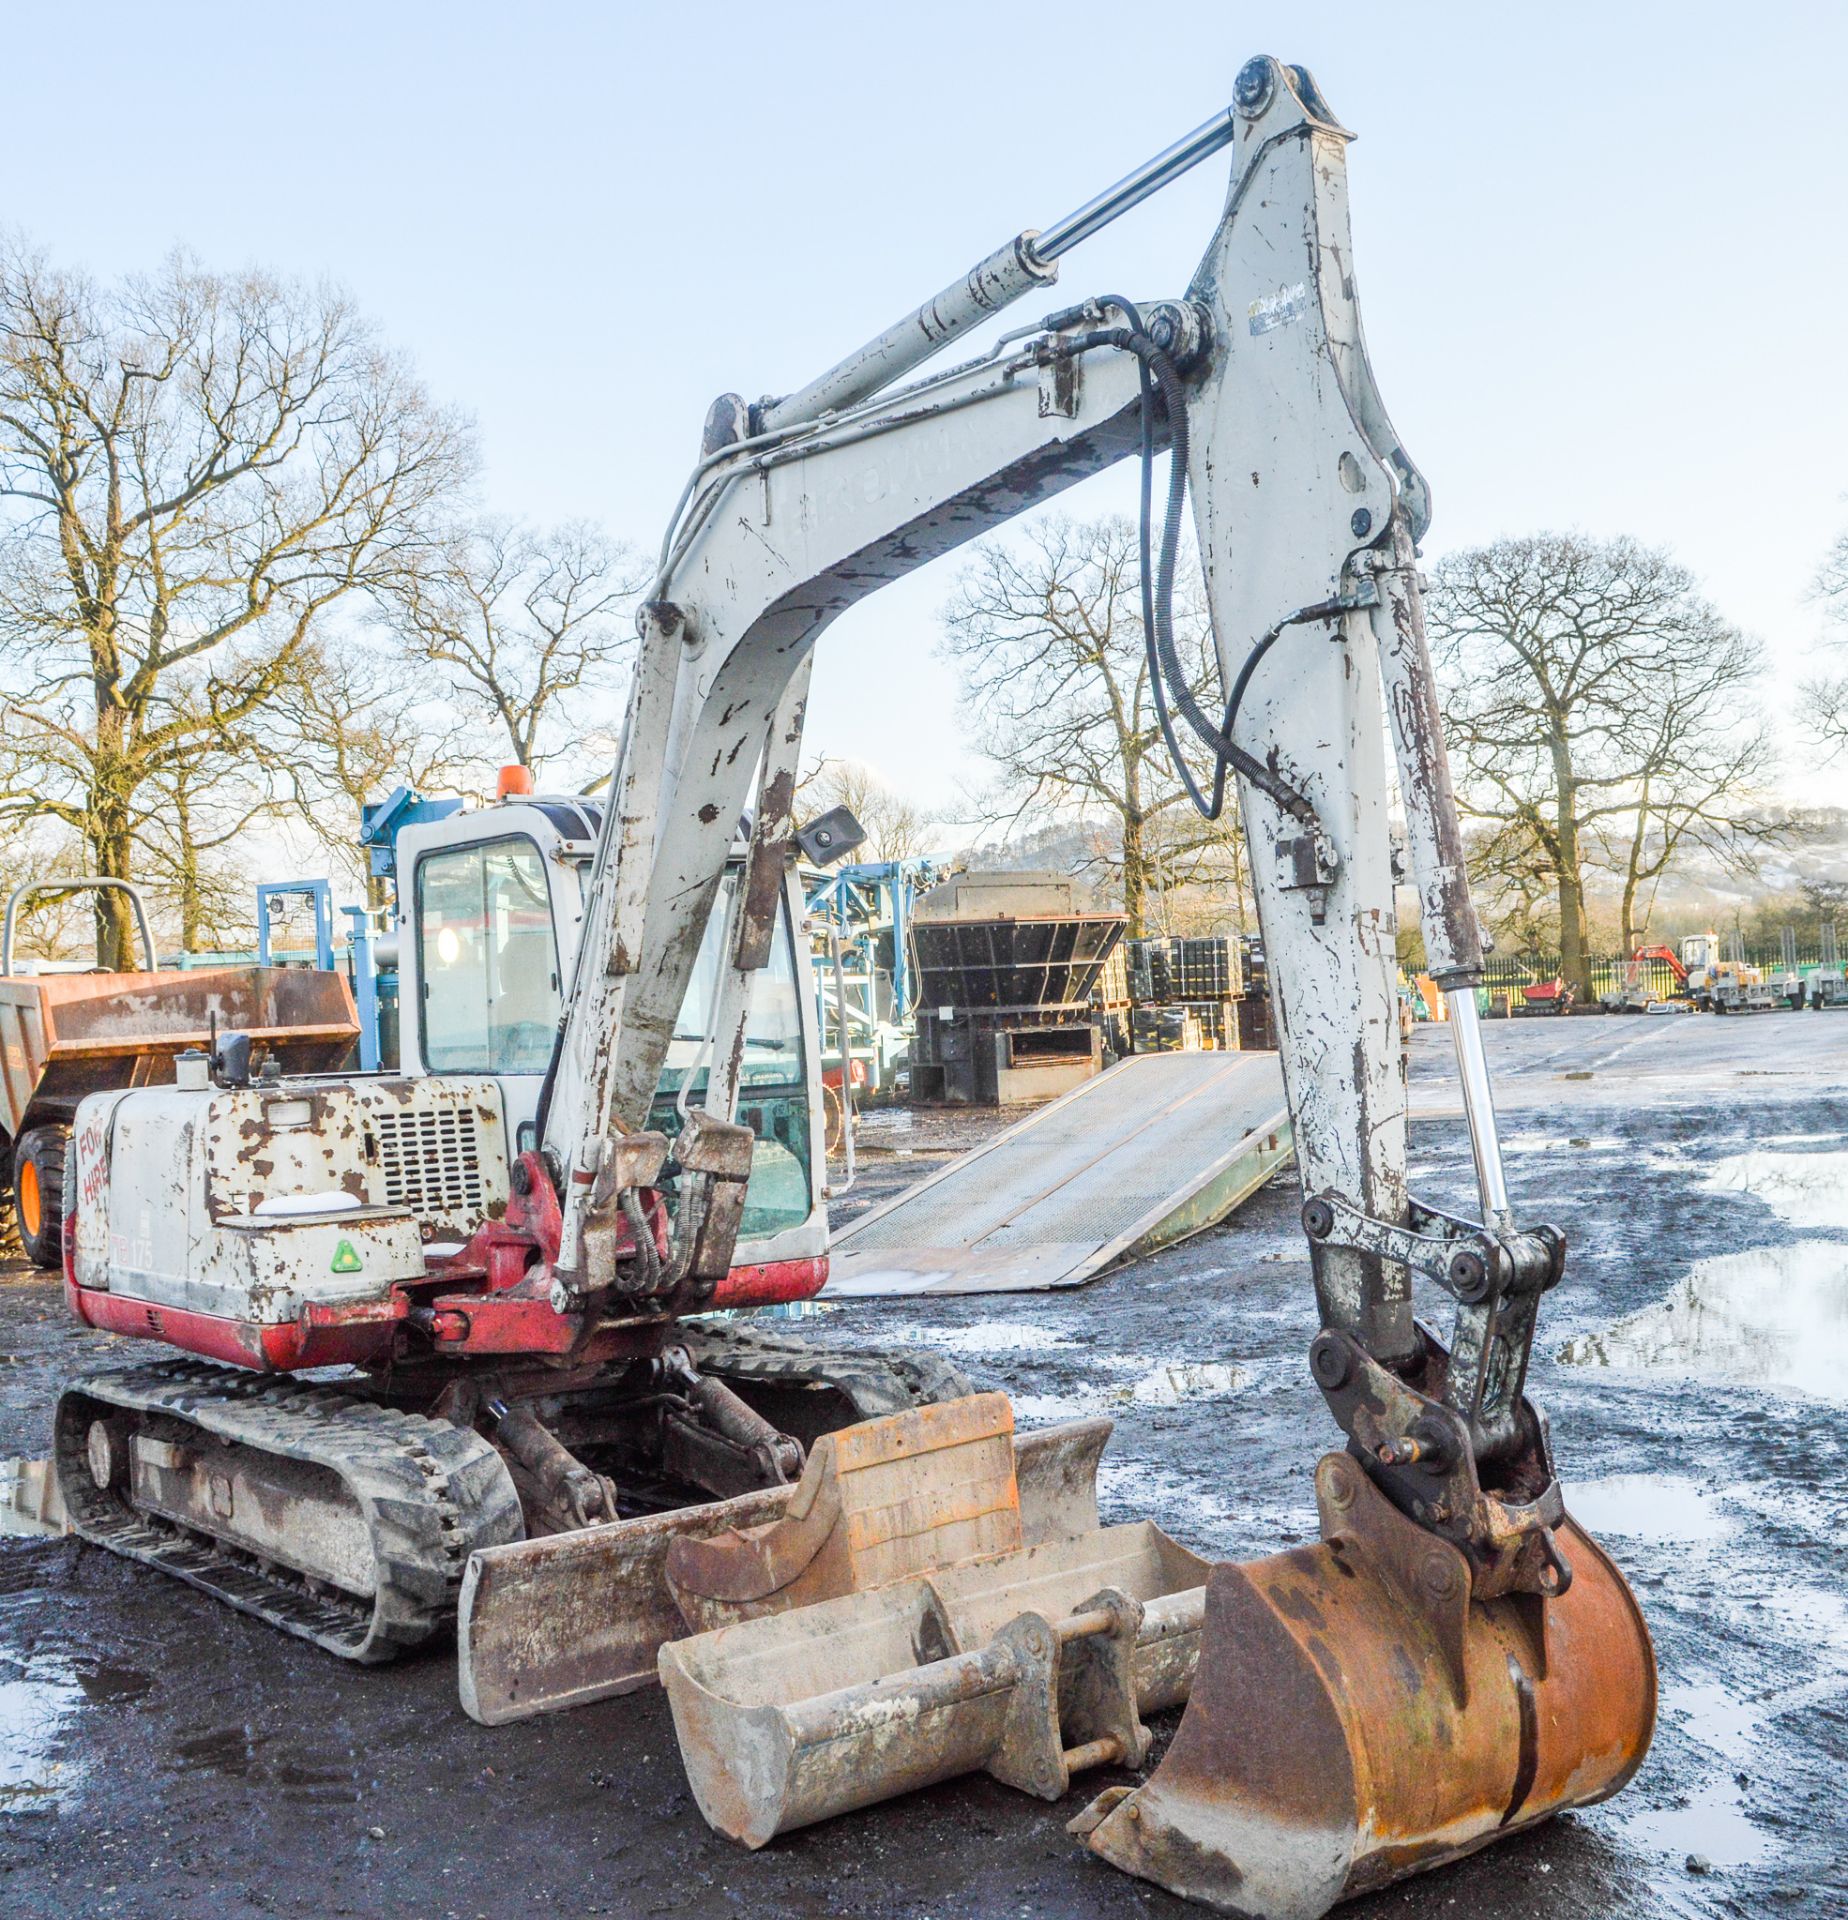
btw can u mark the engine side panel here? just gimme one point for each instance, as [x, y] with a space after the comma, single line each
[254, 1205]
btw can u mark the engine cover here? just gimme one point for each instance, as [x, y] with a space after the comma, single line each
[255, 1203]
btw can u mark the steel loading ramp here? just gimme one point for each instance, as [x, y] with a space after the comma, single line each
[1156, 1148]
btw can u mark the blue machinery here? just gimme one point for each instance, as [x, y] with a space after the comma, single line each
[320, 895]
[374, 989]
[865, 980]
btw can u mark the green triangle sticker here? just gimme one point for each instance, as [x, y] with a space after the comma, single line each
[346, 1258]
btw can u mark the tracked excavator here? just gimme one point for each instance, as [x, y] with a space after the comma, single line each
[286, 1224]
[1454, 1660]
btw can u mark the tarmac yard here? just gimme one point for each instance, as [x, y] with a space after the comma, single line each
[161, 1755]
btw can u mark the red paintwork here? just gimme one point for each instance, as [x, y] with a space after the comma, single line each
[521, 1320]
[501, 1304]
[773, 1284]
[1664, 953]
[367, 1333]
[358, 1335]
[506, 1311]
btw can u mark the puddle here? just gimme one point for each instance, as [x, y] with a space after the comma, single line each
[23, 1526]
[1000, 1336]
[1518, 1143]
[1169, 1386]
[984, 1337]
[1727, 1733]
[1721, 1833]
[791, 1310]
[227, 1750]
[1723, 1728]
[105, 1684]
[1775, 1317]
[1647, 1506]
[35, 1703]
[1806, 1189]
[241, 1753]
[1172, 1384]
[782, 1310]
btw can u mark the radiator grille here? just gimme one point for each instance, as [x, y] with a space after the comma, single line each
[430, 1158]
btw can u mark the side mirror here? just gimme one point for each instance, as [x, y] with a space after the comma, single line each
[831, 837]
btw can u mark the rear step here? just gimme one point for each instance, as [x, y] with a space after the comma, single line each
[382, 1508]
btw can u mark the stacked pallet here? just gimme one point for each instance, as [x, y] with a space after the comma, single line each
[1111, 1006]
[1198, 988]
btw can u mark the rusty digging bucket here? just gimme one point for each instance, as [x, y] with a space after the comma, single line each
[1028, 1665]
[1358, 1716]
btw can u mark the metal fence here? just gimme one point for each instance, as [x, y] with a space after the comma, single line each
[1509, 973]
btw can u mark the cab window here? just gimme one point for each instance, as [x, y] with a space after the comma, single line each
[773, 1084]
[487, 959]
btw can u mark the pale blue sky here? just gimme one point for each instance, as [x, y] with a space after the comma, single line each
[1600, 247]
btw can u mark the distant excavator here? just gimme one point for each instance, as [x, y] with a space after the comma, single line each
[1453, 1661]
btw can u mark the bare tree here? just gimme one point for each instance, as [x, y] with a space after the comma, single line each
[1048, 632]
[193, 469]
[526, 625]
[1832, 581]
[49, 926]
[190, 841]
[351, 724]
[1825, 695]
[896, 828]
[1601, 718]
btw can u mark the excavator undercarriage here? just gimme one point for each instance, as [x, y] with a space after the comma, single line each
[345, 1511]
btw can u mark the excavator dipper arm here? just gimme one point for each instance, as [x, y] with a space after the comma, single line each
[1307, 514]
[1306, 508]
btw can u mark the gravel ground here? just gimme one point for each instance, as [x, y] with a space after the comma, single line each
[162, 1756]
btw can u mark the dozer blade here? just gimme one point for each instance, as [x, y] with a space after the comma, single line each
[1028, 1666]
[1358, 1716]
[558, 1622]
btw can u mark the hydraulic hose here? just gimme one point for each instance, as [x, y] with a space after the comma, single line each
[1167, 677]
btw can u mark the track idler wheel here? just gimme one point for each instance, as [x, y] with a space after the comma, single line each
[1359, 1716]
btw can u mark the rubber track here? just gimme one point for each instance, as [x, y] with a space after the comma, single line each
[431, 1492]
[874, 1380]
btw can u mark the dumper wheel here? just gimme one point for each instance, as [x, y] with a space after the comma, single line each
[38, 1193]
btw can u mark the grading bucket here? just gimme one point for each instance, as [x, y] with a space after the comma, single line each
[1358, 1716]
[1029, 1666]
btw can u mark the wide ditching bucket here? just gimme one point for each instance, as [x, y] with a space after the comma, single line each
[574, 1617]
[1358, 1715]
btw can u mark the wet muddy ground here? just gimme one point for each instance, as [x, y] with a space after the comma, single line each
[161, 1756]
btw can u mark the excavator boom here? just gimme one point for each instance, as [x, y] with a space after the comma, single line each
[1459, 1601]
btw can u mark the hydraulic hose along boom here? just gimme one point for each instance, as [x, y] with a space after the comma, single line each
[1456, 1659]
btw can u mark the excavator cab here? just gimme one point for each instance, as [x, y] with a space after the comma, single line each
[492, 903]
